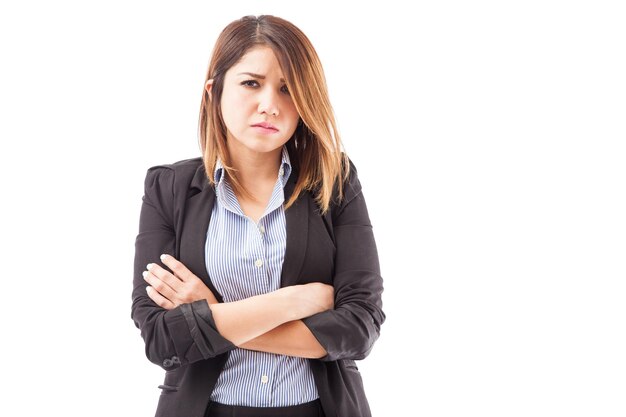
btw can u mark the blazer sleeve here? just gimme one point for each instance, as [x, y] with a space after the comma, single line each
[351, 328]
[184, 334]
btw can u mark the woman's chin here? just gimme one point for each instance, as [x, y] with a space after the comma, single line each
[258, 146]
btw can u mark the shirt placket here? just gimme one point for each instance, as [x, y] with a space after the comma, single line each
[266, 379]
[259, 257]
[259, 254]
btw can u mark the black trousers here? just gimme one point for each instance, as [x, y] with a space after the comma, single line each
[310, 409]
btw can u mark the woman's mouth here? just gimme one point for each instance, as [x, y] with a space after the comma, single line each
[266, 128]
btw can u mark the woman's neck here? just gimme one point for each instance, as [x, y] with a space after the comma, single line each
[255, 168]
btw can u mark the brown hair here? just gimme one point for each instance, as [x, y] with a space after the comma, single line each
[315, 147]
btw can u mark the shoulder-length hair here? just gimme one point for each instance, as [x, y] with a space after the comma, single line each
[315, 148]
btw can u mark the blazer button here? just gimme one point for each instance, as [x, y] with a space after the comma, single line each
[167, 363]
[176, 360]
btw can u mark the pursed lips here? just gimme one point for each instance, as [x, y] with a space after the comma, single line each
[265, 125]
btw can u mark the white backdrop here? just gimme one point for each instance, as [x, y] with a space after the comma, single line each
[489, 139]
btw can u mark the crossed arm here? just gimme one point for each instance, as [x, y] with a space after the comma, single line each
[268, 323]
[187, 324]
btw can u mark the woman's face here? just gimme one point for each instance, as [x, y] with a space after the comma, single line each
[254, 92]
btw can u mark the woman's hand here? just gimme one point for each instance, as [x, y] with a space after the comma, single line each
[312, 298]
[170, 290]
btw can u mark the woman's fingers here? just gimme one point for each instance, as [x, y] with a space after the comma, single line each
[164, 275]
[159, 283]
[180, 285]
[189, 287]
[159, 299]
[178, 268]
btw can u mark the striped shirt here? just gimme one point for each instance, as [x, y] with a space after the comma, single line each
[245, 259]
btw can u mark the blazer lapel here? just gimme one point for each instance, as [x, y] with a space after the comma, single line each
[297, 218]
[195, 225]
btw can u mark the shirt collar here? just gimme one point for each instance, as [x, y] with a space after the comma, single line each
[283, 172]
[285, 166]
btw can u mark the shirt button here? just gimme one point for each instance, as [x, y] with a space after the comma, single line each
[261, 229]
[258, 263]
[281, 171]
[264, 379]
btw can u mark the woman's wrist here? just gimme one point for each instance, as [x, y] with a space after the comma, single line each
[243, 320]
[287, 298]
[300, 301]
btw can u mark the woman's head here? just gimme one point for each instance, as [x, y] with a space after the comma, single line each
[254, 92]
[294, 99]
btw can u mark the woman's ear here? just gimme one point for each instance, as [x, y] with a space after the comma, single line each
[207, 86]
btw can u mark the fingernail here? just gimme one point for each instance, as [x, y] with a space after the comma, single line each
[149, 266]
[145, 273]
[163, 256]
[148, 289]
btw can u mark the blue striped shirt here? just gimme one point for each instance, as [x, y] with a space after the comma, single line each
[245, 259]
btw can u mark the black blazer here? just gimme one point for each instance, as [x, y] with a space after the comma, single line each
[338, 249]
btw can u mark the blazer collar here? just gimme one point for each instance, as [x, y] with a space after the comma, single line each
[198, 214]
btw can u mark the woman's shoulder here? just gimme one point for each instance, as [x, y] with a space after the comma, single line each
[184, 169]
[351, 184]
[179, 166]
[166, 184]
[167, 177]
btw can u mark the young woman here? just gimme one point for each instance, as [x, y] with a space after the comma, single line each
[257, 282]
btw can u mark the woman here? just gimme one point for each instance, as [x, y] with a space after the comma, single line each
[257, 281]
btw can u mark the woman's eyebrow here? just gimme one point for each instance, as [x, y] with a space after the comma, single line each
[259, 76]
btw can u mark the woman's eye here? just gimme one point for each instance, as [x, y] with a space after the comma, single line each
[247, 83]
[254, 83]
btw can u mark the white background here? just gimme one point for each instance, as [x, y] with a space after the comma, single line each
[489, 139]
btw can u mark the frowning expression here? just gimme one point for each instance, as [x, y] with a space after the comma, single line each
[257, 108]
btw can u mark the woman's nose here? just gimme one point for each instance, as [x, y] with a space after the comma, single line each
[268, 103]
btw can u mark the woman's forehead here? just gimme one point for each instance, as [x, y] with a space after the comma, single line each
[259, 60]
